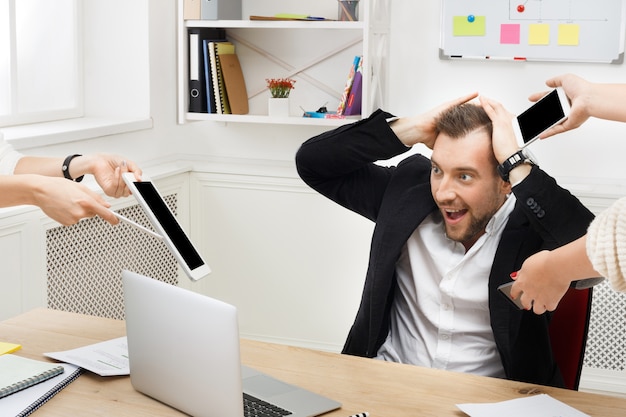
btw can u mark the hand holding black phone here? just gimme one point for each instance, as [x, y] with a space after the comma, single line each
[579, 284]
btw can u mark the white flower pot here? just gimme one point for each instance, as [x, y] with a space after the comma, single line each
[278, 107]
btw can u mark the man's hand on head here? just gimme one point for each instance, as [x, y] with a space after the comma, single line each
[422, 127]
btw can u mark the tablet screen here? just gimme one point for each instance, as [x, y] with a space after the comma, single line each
[169, 223]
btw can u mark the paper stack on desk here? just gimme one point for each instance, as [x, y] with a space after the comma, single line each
[541, 405]
[108, 358]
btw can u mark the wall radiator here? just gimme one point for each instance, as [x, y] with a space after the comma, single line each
[606, 340]
[84, 262]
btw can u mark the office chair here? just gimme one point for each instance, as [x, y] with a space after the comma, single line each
[568, 334]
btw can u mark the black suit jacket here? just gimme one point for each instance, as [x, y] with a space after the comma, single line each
[340, 164]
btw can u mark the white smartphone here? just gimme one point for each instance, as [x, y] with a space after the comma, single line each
[548, 111]
[166, 224]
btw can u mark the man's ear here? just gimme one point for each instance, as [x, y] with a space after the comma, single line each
[505, 186]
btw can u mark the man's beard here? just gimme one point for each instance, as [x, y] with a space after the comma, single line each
[476, 228]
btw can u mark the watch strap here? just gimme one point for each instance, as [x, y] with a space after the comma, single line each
[65, 168]
[513, 161]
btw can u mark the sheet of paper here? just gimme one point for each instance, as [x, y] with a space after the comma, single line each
[109, 358]
[15, 403]
[541, 405]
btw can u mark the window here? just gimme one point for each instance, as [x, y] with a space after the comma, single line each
[40, 75]
[73, 70]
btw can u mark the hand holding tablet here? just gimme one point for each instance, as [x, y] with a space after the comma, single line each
[166, 225]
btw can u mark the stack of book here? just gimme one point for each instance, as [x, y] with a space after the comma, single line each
[216, 82]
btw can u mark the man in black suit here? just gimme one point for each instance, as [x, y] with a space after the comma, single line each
[449, 230]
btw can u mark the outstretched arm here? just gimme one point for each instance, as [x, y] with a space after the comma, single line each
[106, 168]
[64, 201]
[587, 99]
[40, 181]
[546, 276]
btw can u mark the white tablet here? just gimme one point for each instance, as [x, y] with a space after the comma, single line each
[164, 222]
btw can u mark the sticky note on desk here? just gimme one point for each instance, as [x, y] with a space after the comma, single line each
[6, 347]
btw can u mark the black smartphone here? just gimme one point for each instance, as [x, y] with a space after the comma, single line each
[505, 290]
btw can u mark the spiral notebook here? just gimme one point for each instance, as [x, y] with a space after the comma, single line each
[23, 403]
[18, 373]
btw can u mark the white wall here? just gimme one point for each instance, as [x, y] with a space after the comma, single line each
[419, 80]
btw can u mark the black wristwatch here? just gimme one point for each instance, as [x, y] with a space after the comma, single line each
[520, 157]
[65, 168]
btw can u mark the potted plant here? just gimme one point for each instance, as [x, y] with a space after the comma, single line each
[278, 104]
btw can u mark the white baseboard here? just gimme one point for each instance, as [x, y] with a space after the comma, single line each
[309, 344]
[603, 381]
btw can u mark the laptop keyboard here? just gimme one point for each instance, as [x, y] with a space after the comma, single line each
[253, 407]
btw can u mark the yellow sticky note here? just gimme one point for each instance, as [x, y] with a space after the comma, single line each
[538, 34]
[468, 25]
[6, 347]
[568, 34]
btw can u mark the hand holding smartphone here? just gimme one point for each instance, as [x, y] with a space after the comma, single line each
[548, 111]
[580, 284]
[505, 289]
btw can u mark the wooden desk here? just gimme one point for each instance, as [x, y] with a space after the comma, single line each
[384, 389]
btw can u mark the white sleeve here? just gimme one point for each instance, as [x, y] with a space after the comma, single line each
[606, 244]
[8, 157]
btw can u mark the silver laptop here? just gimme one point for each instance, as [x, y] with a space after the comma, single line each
[183, 350]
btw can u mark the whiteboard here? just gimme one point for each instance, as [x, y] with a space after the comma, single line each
[533, 30]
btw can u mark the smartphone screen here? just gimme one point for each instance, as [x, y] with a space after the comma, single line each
[542, 115]
[505, 290]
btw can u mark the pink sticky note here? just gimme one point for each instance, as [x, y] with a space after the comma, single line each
[509, 33]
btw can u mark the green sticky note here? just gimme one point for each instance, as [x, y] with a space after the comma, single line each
[290, 16]
[469, 25]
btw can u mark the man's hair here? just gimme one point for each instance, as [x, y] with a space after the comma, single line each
[463, 119]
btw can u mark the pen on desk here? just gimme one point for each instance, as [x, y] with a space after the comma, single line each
[363, 414]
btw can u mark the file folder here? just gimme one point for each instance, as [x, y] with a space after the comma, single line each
[198, 101]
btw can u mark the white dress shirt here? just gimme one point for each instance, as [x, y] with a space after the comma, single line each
[440, 315]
